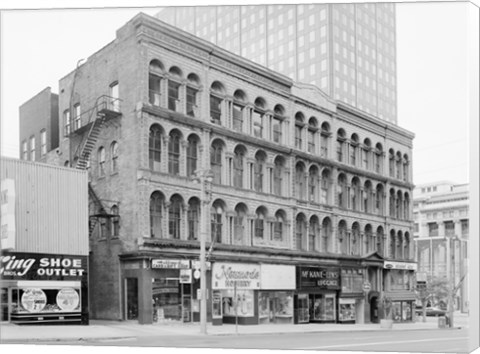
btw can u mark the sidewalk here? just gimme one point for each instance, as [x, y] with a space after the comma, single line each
[111, 330]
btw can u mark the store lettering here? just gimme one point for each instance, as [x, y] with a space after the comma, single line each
[237, 275]
[13, 266]
[319, 274]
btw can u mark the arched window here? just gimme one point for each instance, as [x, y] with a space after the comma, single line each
[406, 206]
[258, 117]
[239, 221]
[299, 124]
[175, 216]
[259, 170]
[392, 203]
[238, 166]
[343, 238]
[399, 245]
[324, 136]
[155, 147]
[367, 197]
[398, 166]
[326, 245]
[278, 176]
[217, 93]
[156, 212]
[260, 216]
[340, 144]
[300, 180]
[192, 155]
[399, 205]
[66, 122]
[353, 149]
[193, 83]
[392, 244]
[406, 246]
[313, 234]
[278, 118]
[174, 89]
[380, 246]
[342, 191]
[193, 219]
[391, 163]
[406, 165]
[379, 208]
[325, 186]
[114, 152]
[279, 225]
[379, 158]
[216, 214]
[356, 241]
[368, 240]
[155, 75]
[216, 152]
[101, 161]
[174, 152]
[367, 146]
[313, 181]
[355, 195]
[115, 221]
[300, 231]
[239, 101]
[312, 135]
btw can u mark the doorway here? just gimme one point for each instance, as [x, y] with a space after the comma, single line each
[374, 317]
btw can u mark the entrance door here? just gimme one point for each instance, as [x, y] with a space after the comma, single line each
[303, 309]
[374, 309]
[5, 304]
[131, 298]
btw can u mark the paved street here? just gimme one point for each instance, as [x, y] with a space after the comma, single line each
[434, 341]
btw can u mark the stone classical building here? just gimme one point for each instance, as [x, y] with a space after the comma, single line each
[307, 211]
[441, 215]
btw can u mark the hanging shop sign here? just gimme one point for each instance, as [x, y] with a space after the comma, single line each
[185, 276]
[170, 264]
[35, 266]
[7, 213]
[400, 265]
[318, 278]
[235, 275]
[196, 265]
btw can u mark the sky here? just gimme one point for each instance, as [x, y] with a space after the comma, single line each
[38, 47]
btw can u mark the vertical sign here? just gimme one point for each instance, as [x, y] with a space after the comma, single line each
[7, 213]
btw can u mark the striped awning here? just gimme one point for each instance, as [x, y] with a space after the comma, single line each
[400, 295]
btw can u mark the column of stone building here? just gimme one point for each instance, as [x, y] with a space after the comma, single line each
[267, 178]
[228, 181]
[183, 220]
[247, 124]
[181, 102]
[249, 174]
[165, 228]
[143, 202]
[183, 157]
[164, 91]
[164, 154]
[228, 112]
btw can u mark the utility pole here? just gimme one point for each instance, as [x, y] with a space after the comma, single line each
[450, 254]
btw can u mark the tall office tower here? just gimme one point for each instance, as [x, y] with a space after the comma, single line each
[348, 50]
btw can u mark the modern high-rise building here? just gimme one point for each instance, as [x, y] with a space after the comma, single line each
[441, 213]
[347, 50]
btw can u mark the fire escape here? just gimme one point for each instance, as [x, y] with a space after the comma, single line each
[83, 138]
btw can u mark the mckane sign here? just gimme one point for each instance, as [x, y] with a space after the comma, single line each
[318, 278]
[36, 266]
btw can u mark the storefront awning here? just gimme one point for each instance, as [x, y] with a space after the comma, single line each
[400, 295]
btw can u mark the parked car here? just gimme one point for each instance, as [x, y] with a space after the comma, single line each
[431, 311]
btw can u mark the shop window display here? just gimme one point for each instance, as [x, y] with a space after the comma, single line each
[239, 304]
[36, 300]
[346, 311]
[275, 307]
[322, 307]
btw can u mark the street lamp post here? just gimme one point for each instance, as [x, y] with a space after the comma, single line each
[205, 178]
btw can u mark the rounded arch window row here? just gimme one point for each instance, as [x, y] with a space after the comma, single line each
[107, 159]
[179, 218]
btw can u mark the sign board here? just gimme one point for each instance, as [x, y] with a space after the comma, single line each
[240, 275]
[7, 213]
[400, 265]
[196, 265]
[185, 276]
[421, 277]
[318, 278]
[170, 264]
[196, 274]
[281, 277]
[35, 266]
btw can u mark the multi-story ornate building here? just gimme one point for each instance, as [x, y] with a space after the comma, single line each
[307, 214]
[441, 215]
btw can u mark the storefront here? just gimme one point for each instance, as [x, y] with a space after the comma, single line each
[44, 288]
[399, 284]
[317, 293]
[234, 293]
[351, 300]
[275, 299]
